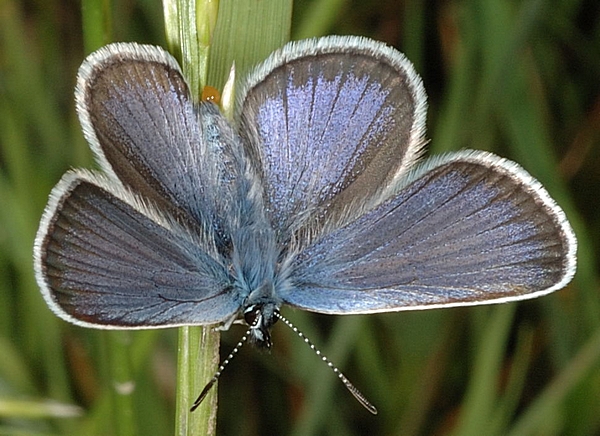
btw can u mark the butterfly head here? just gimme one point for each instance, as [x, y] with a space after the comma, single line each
[260, 318]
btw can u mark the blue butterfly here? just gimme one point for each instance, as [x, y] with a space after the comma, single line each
[312, 197]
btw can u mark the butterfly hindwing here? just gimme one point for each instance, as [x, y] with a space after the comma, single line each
[332, 123]
[147, 133]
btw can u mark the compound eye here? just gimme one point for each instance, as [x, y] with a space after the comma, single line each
[251, 315]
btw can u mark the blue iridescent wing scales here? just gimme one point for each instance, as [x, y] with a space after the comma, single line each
[332, 125]
[469, 228]
[140, 120]
[105, 259]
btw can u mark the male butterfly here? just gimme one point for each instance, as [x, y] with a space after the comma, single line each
[310, 197]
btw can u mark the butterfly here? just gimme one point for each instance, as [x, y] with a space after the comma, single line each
[314, 196]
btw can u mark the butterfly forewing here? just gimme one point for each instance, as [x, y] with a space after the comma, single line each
[102, 262]
[470, 228]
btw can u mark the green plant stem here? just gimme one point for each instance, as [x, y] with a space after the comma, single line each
[197, 359]
[97, 24]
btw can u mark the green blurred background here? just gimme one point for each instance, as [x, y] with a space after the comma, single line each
[520, 78]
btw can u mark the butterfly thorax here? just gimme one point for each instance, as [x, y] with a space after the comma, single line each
[254, 264]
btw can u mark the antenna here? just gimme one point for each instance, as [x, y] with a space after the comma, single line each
[353, 389]
[222, 366]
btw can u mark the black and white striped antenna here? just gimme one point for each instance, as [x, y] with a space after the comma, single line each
[353, 389]
[222, 366]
